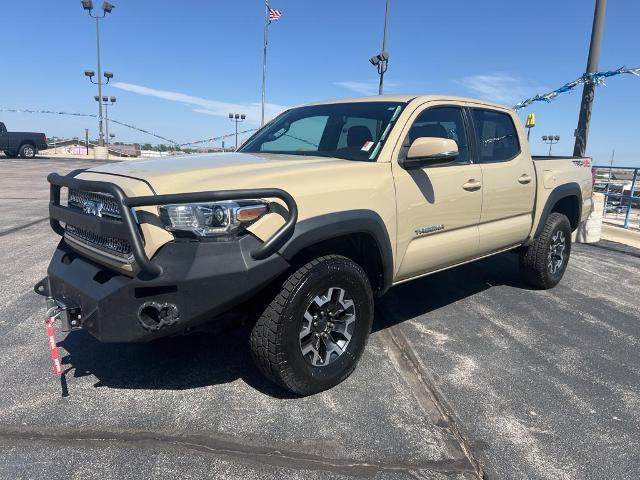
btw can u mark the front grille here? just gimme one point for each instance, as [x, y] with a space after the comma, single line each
[116, 246]
[105, 204]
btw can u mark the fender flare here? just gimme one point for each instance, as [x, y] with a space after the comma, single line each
[314, 230]
[28, 141]
[571, 189]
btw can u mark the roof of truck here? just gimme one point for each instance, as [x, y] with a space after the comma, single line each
[408, 98]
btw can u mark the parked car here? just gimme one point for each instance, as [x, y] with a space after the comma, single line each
[25, 144]
[614, 206]
[325, 207]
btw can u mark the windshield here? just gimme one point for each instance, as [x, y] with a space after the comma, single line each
[352, 131]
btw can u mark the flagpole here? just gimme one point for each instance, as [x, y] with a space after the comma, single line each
[264, 58]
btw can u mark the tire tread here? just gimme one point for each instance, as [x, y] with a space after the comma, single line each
[533, 259]
[267, 334]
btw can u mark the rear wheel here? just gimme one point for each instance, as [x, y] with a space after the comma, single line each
[27, 151]
[544, 262]
[314, 331]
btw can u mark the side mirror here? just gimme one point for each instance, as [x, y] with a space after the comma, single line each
[425, 151]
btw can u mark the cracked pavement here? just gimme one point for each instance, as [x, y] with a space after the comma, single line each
[466, 372]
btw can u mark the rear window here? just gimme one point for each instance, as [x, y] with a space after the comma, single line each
[496, 135]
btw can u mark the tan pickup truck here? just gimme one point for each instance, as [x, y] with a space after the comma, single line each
[325, 207]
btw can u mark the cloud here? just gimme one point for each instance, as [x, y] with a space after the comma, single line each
[500, 87]
[364, 88]
[206, 106]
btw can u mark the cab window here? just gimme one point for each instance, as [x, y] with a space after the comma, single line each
[369, 127]
[497, 137]
[443, 122]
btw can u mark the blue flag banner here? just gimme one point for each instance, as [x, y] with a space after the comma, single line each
[594, 77]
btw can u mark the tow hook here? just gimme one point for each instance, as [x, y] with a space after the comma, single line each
[69, 316]
[69, 319]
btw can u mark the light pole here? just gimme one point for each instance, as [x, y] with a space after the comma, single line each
[237, 117]
[107, 102]
[106, 8]
[381, 61]
[589, 88]
[550, 139]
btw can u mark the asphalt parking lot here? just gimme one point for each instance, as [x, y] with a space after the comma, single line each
[467, 373]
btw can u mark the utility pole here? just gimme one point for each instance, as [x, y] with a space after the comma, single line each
[589, 88]
[86, 139]
[237, 117]
[613, 154]
[381, 60]
[101, 135]
[264, 61]
[550, 139]
[384, 46]
[112, 101]
[106, 8]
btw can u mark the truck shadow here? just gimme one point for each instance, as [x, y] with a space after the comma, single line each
[177, 363]
[202, 359]
[430, 293]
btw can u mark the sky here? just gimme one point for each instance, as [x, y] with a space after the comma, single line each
[180, 67]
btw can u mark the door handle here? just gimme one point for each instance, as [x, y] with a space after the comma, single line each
[472, 185]
[524, 179]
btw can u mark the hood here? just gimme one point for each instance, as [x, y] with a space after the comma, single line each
[221, 171]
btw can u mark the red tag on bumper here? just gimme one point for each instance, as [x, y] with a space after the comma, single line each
[53, 347]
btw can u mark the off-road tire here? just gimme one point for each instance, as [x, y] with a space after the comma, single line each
[27, 151]
[534, 259]
[275, 338]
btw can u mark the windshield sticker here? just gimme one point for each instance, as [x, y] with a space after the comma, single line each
[367, 146]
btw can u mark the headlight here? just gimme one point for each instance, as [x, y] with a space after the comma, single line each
[212, 219]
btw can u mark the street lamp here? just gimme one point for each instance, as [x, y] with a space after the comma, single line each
[107, 102]
[550, 139]
[237, 117]
[106, 8]
[381, 61]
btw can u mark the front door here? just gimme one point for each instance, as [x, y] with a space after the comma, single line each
[438, 207]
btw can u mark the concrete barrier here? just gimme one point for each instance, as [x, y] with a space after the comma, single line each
[590, 231]
[101, 153]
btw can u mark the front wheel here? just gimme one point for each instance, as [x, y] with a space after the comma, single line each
[27, 151]
[544, 262]
[314, 331]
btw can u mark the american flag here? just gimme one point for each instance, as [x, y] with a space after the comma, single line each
[274, 14]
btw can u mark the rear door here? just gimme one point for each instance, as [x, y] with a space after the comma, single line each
[508, 178]
[438, 207]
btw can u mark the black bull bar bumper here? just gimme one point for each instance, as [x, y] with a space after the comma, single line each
[185, 284]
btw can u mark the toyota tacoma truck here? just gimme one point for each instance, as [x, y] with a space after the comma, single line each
[322, 209]
[25, 144]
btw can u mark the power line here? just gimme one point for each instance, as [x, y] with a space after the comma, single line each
[127, 125]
